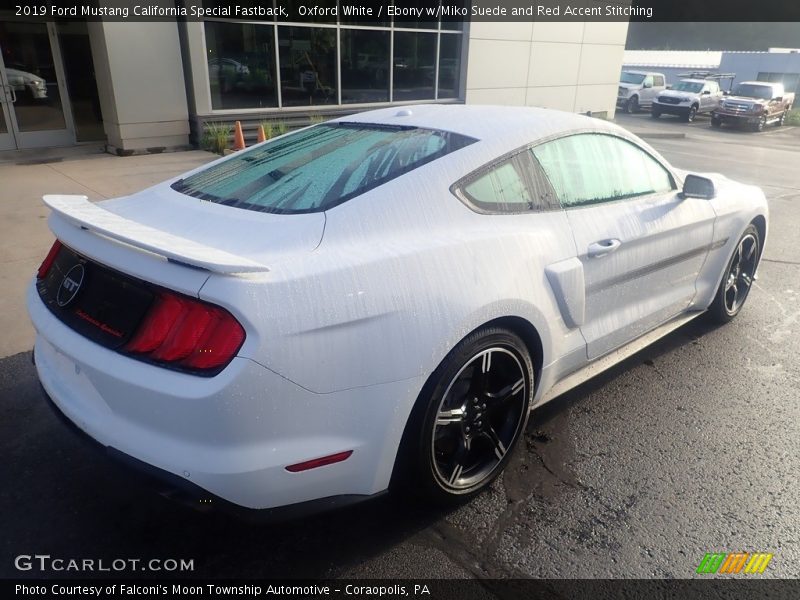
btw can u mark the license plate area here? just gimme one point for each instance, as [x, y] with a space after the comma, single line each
[99, 303]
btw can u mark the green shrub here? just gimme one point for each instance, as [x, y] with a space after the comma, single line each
[793, 118]
[274, 128]
[215, 137]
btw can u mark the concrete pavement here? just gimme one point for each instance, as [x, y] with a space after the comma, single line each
[24, 236]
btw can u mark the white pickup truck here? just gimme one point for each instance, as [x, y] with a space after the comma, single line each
[638, 89]
[687, 98]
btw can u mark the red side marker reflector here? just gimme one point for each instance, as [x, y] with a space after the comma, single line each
[48, 260]
[319, 462]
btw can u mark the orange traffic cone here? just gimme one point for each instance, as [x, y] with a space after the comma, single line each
[261, 135]
[238, 137]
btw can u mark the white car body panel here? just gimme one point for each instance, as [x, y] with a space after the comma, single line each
[361, 303]
[78, 211]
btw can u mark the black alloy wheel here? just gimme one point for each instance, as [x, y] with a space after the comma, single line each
[738, 277]
[474, 414]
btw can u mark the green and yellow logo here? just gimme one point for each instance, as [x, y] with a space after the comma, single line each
[734, 562]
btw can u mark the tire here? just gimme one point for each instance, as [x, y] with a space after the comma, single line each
[782, 120]
[468, 419]
[760, 124]
[691, 114]
[737, 279]
[716, 121]
[632, 105]
[655, 113]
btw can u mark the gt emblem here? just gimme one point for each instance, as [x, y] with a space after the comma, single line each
[70, 285]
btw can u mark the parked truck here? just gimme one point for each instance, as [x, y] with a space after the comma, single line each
[638, 89]
[688, 98]
[754, 104]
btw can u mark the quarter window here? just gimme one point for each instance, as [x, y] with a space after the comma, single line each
[593, 168]
[659, 80]
[502, 189]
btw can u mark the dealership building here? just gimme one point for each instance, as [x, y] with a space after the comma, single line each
[154, 86]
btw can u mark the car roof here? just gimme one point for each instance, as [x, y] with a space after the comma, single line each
[703, 81]
[504, 128]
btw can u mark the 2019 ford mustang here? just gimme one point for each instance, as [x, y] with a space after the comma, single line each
[376, 301]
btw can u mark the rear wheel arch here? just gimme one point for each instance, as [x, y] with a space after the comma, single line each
[520, 326]
[760, 224]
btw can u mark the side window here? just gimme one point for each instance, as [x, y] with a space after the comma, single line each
[659, 80]
[594, 168]
[501, 189]
[648, 81]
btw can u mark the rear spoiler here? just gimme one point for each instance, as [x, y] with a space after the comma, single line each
[78, 211]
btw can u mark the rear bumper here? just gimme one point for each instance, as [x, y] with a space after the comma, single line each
[189, 494]
[230, 436]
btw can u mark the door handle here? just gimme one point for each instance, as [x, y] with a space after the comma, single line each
[603, 247]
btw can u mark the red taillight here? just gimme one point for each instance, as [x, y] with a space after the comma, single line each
[187, 333]
[319, 462]
[48, 260]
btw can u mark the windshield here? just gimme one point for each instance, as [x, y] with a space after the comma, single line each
[688, 86]
[748, 90]
[319, 167]
[631, 77]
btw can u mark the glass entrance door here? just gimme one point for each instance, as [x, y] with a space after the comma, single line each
[7, 141]
[32, 88]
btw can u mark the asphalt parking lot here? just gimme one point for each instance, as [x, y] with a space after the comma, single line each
[688, 447]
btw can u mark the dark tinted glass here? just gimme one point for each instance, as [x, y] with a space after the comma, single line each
[241, 65]
[308, 65]
[365, 66]
[449, 66]
[414, 65]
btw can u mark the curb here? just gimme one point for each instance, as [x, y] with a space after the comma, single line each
[661, 136]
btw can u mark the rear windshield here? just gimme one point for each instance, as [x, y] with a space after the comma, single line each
[317, 168]
[688, 86]
[763, 92]
[631, 77]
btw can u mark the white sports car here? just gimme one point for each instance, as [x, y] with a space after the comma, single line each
[377, 301]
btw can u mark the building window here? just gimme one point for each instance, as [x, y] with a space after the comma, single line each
[414, 65]
[241, 65]
[790, 81]
[331, 62]
[365, 66]
[308, 65]
[449, 66]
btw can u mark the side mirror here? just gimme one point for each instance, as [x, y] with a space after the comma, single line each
[706, 92]
[778, 99]
[695, 186]
[647, 84]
